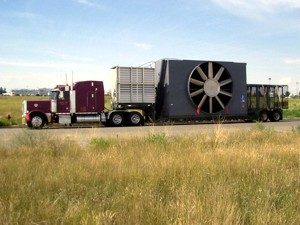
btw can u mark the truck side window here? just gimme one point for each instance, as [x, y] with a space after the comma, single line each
[61, 95]
[66, 95]
[54, 95]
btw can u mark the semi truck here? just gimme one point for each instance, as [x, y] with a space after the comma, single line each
[172, 90]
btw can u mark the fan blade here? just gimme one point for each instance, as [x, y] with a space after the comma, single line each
[220, 102]
[210, 105]
[225, 93]
[202, 74]
[196, 82]
[210, 70]
[224, 82]
[219, 74]
[197, 92]
[202, 101]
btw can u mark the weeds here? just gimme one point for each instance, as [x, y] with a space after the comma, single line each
[159, 138]
[101, 143]
[218, 178]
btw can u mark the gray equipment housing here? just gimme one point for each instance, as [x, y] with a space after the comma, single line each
[134, 85]
[173, 96]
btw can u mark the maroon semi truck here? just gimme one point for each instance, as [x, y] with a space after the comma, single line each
[81, 102]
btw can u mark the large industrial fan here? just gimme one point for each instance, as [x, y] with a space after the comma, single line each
[210, 87]
[195, 88]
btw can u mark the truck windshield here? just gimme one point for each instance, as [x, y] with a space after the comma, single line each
[54, 95]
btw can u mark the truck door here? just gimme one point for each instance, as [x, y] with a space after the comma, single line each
[91, 101]
[63, 102]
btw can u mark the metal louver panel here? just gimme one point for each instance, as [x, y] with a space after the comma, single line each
[135, 85]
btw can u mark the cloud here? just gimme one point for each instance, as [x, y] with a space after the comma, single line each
[44, 64]
[89, 3]
[257, 8]
[293, 61]
[143, 46]
[20, 15]
[68, 57]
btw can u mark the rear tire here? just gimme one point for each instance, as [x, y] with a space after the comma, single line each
[135, 119]
[116, 119]
[275, 116]
[263, 116]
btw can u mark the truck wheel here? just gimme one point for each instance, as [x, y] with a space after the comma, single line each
[116, 119]
[275, 116]
[135, 119]
[36, 121]
[263, 116]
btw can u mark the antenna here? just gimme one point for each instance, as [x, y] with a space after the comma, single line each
[66, 78]
[72, 82]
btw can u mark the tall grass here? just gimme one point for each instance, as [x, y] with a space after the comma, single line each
[220, 178]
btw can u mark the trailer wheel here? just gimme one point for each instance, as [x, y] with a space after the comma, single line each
[37, 121]
[275, 116]
[116, 119]
[135, 119]
[263, 116]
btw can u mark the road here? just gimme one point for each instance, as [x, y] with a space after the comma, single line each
[85, 134]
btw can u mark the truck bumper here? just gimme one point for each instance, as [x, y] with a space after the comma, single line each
[25, 118]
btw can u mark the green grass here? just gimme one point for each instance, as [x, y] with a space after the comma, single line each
[294, 109]
[220, 178]
[12, 105]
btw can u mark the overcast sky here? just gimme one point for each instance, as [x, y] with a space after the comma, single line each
[42, 40]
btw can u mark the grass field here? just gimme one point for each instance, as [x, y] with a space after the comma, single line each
[224, 178]
[12, 106]
[294, 109]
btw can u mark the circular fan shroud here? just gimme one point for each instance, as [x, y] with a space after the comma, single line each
[210, 87]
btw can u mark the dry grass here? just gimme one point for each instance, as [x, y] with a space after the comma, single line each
[225, 178]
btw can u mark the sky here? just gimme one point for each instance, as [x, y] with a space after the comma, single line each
[42, 40]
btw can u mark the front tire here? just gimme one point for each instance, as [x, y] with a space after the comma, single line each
[37, 121]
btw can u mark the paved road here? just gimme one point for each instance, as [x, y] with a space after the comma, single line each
[85, 134]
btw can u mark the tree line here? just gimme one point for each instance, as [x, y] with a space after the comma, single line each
[2, 90]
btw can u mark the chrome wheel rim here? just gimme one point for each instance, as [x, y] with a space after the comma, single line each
[36, 121]
[117, 119]
[135, 119]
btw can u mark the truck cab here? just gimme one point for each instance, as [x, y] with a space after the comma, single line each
[81, 102]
